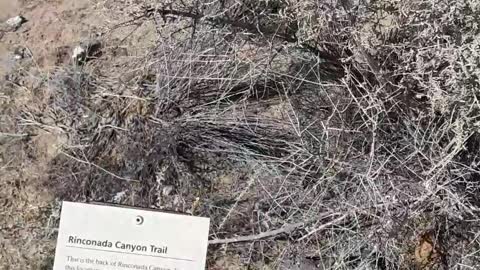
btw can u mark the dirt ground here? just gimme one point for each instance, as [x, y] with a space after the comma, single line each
[53, 28]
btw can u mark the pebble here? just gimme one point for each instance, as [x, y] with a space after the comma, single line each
[15, 22]
[79, 54]
[19, 53]
[86, 51]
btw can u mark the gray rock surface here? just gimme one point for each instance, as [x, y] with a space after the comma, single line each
[15, 22]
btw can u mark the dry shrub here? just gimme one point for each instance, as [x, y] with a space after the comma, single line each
[354, 119]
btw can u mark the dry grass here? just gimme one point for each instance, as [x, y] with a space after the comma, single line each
[341, 135]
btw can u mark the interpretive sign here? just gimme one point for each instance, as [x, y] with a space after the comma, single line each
[100, 237]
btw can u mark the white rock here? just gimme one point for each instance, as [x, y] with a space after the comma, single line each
[20, 53]
[15, 22]
[79, 53]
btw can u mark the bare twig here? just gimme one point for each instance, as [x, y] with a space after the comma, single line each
[13, 135]
[284, 230]
[323, 226]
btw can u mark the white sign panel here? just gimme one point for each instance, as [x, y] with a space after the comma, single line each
[99, 237]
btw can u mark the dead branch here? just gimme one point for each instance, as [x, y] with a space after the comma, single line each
[285, 229]
[323, 226]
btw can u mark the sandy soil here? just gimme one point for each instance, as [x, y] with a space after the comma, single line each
[27, 207]
[53, 28]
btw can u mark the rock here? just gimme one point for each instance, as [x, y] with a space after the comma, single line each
[19, 53]
[86, 51]
[15, 22]
[79, 54]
